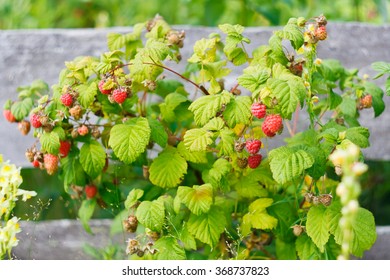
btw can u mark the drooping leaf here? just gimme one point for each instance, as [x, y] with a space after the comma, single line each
[198, 198]
[130, 139]
[171, 102]
[317, 226]
[197, 139]
[287, 164]
[151, 214]
[85, 213]
[92, 158]
[291, 31]
[208, 226]
[168, 249]
[167, 170]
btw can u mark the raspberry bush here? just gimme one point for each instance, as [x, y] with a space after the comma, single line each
[185, 163]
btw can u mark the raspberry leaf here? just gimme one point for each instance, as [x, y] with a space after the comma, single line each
[158, 133]
[50, 142]
[171, 102]
[306, 248]
[216, 175]
[238, 111]
[286, 163]
[73, 171]
[198, 198]
[363, 233]
[195, 157]
[92, 158]
[21, 109]
[377, 97]
[291, 31]
[132, 198]
[317, 226]
[249, 187]
[129, 140]
[169, 249]
[151, 214]
[358, 135]
[253, 77]
[258, 217]
[197, 139]
[168, 169]
[208, 226]
[87, 93]
[207, 107]
[85, 213]
[226, 143]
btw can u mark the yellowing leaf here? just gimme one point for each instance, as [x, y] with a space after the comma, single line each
[197, 139]
[198, 198]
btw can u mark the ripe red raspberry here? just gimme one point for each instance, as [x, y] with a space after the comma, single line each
[321, 33]
[254, 161]
[101, 87]
[64, 148]
[8, 116]
[90, 191]
[67, 99]
[83, 130]
[50, 163]
[35, 121]
[272, 124]
[366, 101]
[36, 163]
[253, 146]
[258, 110]
[119, 95]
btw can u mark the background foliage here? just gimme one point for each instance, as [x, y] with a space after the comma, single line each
[16, 14]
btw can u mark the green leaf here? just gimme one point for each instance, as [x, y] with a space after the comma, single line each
[73, 171]
[221, 168]
[306, 249]
[85, 213]
[249, 186]
[187, 239]
[215, 124]
[168, 249]
[197, 139]
[171, 102]
[348, 107]
[158, 133]
[258, 217]
[317, 226]
[359, 136]
[50, 142]
[291, 31]
[381, 67]
[92, 158]
[285, 250]
[60, 132]
[207, 107]
[334, 100]
[254, 77]
[377, 97]
[208, 226]
[226, 143]
[117, 222]
[195, 157]
[168, 169]
[204, 51]
[289, 92]
[87, 94]
[275, 43]
[133, 197]
[21, 109]
[238, 111]
[151, 214]
[363, 234]
[129, 140]
[320, 159]
[286, 164]
[198, 198]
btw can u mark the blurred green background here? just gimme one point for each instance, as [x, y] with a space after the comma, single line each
[53, 202]
[16, 14]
